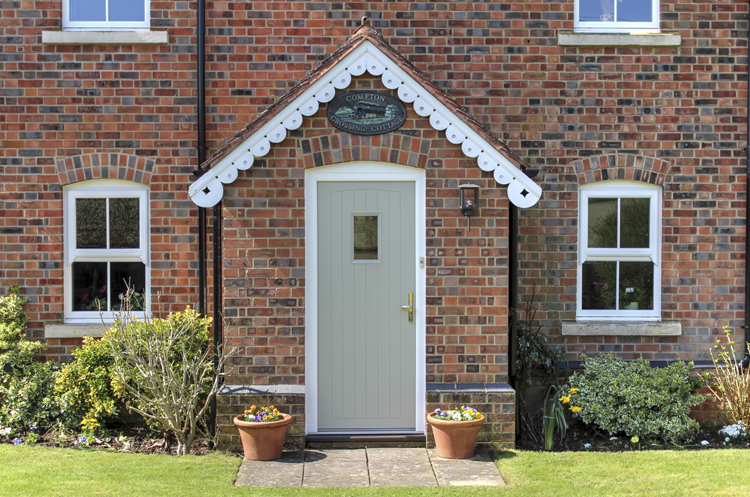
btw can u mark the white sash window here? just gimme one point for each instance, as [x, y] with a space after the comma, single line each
[619, 266]
[111, 15]
[616, 16]
[106, 249]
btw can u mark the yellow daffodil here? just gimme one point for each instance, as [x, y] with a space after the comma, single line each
[576, 409]
[564, 399]
[635, 440]
[574, 390]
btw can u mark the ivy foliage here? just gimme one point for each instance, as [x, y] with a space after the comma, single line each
[635, 399]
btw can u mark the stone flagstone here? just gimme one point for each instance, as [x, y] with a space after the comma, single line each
[369, 467]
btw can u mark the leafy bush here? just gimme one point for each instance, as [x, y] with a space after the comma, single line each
[729, 382]
[16, 351]
[29, 398]
[26, 395]
[635, 399]
[165, 368]
[84, 386]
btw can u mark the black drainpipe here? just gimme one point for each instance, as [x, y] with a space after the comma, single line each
[201, 75]
[513, 298]
[746, 359]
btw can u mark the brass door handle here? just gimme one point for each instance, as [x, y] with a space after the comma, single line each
[410, 307]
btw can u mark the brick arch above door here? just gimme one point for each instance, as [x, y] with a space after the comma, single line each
[105, 165]
[338, 148]
[621, 166]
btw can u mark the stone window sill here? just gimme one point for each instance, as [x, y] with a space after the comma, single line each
[622, 328]
[571, 39]
[74, 330]
[105, 37]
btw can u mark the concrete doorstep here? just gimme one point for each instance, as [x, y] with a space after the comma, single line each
[370, 467]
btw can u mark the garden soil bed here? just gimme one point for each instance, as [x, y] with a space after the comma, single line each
[134, 440]
[579, 437]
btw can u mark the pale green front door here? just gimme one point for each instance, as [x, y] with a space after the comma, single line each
[366, 270]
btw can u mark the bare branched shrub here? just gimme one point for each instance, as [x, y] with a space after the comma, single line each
[165, 369]
[729, 382]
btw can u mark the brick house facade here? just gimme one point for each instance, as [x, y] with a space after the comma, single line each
[666, 110]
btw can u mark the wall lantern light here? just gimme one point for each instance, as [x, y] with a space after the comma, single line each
[469, 200]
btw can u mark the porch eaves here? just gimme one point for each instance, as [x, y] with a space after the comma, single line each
[365, 51]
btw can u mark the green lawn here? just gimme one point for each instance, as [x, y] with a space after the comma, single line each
[43, 471]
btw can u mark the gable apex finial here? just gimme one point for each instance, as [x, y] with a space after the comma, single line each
[365, 21]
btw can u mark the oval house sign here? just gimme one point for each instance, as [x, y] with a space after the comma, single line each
[366, 112]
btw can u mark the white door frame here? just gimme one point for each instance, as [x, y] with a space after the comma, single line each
[360, 171]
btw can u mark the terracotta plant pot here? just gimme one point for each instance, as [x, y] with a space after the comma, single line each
[263, 441]
[455, 439]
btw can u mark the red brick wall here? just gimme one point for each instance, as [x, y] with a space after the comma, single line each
[264, 253]
[554, 105]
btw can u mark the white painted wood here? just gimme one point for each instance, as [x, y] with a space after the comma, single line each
[361, 171]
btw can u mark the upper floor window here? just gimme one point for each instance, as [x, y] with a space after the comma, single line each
[617, 16]
[106, 249]
[107, 14]
[619, 267]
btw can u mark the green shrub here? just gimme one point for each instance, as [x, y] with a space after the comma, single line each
[26, 386]
[635, 399]
[165, 368]
[84, 386]
[15, 350]
[29, 399]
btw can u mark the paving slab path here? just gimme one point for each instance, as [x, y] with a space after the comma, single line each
[370, 467]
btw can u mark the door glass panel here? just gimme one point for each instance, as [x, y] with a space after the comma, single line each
[634, 222]
[636, 285]
[123, 223]
[603, 222]
[91, 223]
[597, 10]
[365, 238]
[599, 283]
[89, 286]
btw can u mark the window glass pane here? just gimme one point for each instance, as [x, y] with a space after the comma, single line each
[603, 222]
[126, 10]
[89, 286]
[124, 216]
[88, 10]
[124, 275]
[597, 10]
[91, 223]
[634, 10]
[599, 285]
[636, 285]
[634, 222]
[365, 238]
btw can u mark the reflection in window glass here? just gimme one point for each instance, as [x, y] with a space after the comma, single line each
[634, 222]
[124, 275]
[365, 238]
[599, 284]
[634, 11]
[636, 285]
[124, 217]
[597, 10]
[88, 10]
[89, 286]
[126, 10]
[91, 223]
[603, 222]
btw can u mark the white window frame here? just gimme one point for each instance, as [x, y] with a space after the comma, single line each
[617, 27]
[620, 189]
[103, 189]
[106, 25]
